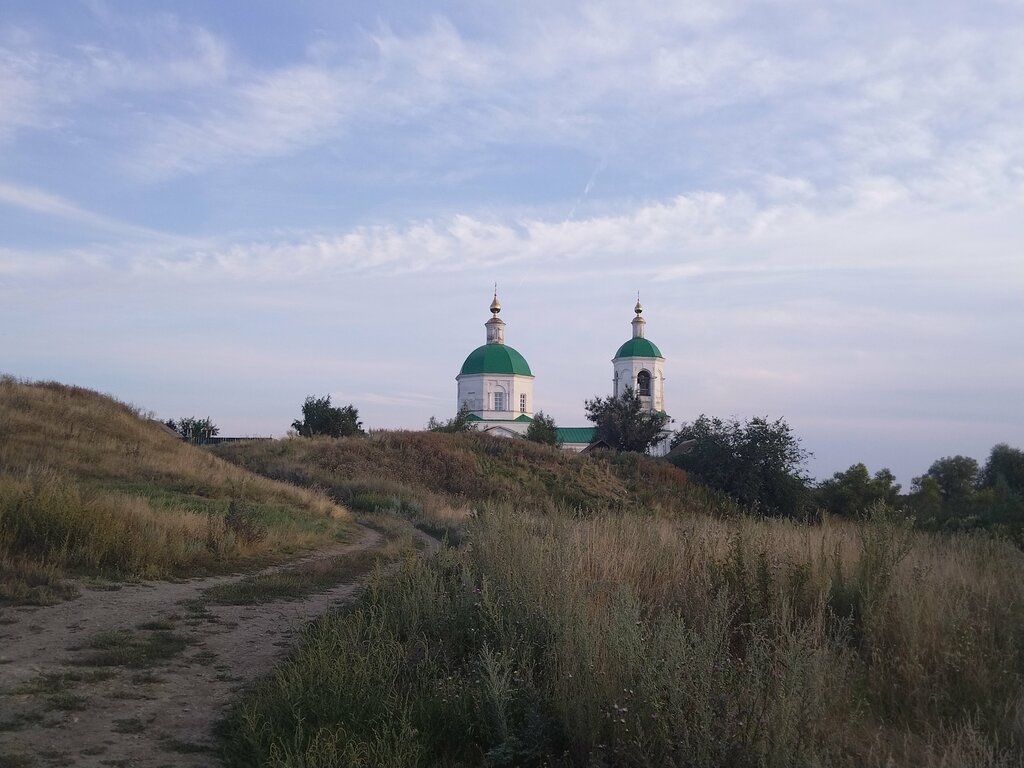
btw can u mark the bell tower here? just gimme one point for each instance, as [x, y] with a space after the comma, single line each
[639, 364]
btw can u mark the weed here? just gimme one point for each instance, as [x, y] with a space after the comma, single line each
[129, 725]
[155, 624]
[123, 648]
[203, 658]
[171, 744]
[21, 720]
[146, 678]
[66, 702]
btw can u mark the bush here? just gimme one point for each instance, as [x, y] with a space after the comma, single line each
[759, 463]
[319, 417]
[542, 430]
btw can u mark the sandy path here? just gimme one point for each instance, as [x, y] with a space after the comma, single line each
[158, 716]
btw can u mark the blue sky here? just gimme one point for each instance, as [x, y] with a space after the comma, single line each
[219, 208]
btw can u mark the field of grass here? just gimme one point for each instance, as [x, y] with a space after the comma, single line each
[623, 639]
[89, 486]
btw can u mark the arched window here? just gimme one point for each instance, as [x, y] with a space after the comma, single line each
[499, 401]
[643, 384]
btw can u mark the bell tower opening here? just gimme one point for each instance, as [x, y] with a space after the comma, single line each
[643, 384]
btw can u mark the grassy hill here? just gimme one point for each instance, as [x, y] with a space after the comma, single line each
[437, 478]
[90, 486]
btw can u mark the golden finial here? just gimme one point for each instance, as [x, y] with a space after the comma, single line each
[495, 305]
[638, 309]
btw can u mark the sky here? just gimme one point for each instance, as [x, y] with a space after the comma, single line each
[217, 209]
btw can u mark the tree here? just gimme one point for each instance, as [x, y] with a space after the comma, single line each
[956, 477]
[759, 463]
[319, 417]
[194, 430]
[1006, 463]
[624, 423]
[852, 492]
[542, 429]
[460, 422]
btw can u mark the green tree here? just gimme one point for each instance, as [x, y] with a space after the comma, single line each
[319, 417]
[854, 491]
[542, 429]
[759, 463]
[460, 422]
[956, 477]
[624, 423]
[194, 430]
[1006, 463]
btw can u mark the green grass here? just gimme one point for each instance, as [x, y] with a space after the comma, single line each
[124, 648]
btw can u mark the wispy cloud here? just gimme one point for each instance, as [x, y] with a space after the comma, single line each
[127, 236]
[786, 230]
[43, 88]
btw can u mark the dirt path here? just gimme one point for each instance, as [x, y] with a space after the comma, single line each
[182, 662]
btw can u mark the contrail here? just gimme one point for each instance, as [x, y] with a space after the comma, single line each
[586, 190]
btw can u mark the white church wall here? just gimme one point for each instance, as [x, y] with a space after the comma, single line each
[626, 370]
[478, 392]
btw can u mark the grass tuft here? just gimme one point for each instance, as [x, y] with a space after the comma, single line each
[123, 648]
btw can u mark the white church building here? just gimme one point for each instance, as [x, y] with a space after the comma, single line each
[495, 383]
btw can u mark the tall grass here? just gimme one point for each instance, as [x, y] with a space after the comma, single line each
[626, 640]
[90, 486]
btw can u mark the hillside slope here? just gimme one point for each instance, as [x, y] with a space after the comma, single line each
[436, 473]
[90, 486]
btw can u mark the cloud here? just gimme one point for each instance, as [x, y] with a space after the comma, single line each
[874, 226]
[41, 202]
[42, 88]
[718, 89]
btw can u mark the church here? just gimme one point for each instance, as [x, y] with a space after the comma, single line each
[495, 383]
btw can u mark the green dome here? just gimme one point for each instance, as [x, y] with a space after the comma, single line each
[638, 347]
[495, 358]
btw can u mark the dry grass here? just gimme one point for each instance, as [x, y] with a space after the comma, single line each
[623, 639]
[89, 486]
[437, 478]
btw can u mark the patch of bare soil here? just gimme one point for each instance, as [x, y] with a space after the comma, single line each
[137, 676]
